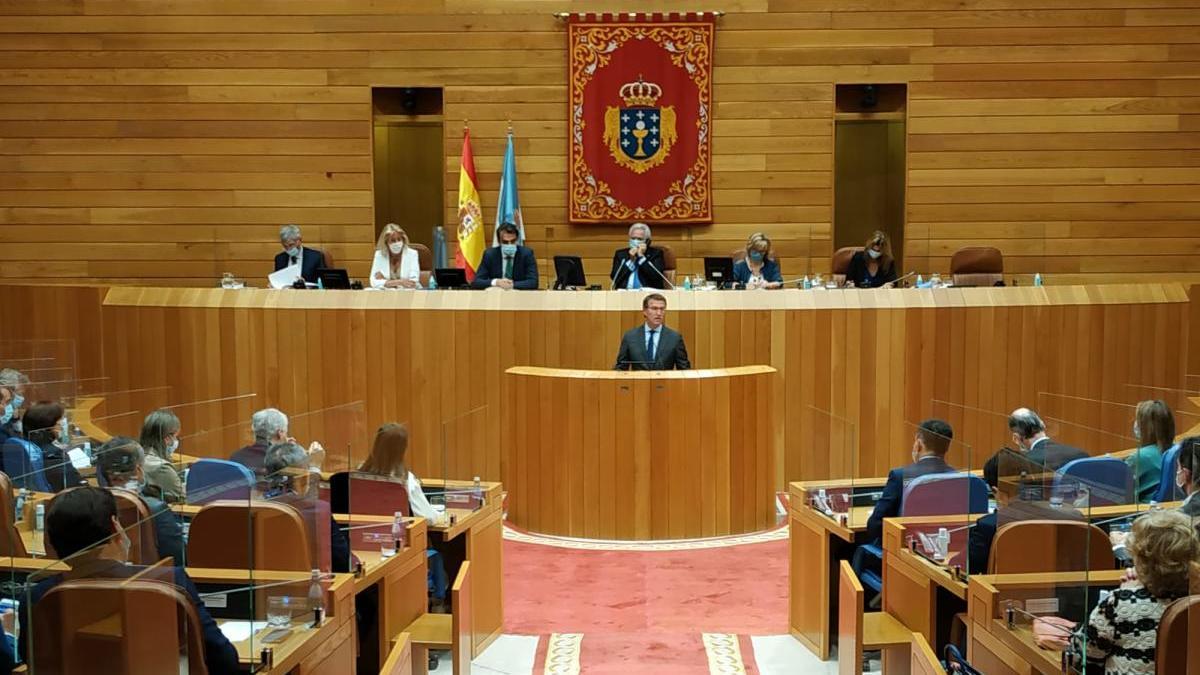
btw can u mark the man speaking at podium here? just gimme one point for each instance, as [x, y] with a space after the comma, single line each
[652, 346]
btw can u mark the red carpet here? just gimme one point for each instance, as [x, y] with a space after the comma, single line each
[644, 612]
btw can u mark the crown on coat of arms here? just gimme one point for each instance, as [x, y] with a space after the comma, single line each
[640, 93]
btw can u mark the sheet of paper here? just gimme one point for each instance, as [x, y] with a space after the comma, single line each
[79, 458]
[284, 277]
[236, 631]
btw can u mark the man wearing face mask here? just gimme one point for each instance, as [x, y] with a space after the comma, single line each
[640, 264]
[930, 445]
[12, 407]
[82, 526]
[508, 265]
[292, 479]
[1036, 452]
[295, 253]
[120, 463]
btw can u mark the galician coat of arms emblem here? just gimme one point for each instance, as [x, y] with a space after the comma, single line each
[640, 134]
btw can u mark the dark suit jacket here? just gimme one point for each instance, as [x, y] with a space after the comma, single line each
[311, 260]
[889, 504]
[857, 272]
[167, 530]
[669, 354]
[525, 274]
[1045, 456]
[219, 655]
[251, 457]
[649, 278]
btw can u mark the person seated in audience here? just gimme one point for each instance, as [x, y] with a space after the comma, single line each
[14, 383]
[507, 265]
[1154, 430]
[120, 462]
[1036, 452]
[1009, 510]
[396, 265]
[387, 459]
[160, 440]
[82, 526]
[640, 257]
[39, 461]
[270, 426]
[296, 253]
[1187, 475]
[930, 445]
[873, 267]
[1122, 631]
[292, 479]
[759, 268]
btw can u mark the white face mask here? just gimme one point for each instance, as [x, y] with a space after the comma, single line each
[1137, 433]
[292, 252]
[172, 446]
[396, 247]
[133, 485]
[874, 254]
[1180, 479]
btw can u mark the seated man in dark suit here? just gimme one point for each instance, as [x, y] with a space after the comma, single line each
[120, 462]
[82, 527]
[270, 426]
[652, 346]
[1038, 451]
[930, 445]
[640, 265]
[509, 265]
[295, 253]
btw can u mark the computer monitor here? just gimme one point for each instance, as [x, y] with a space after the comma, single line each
[333, 278]
[450, 277]
[568, 271]
[719, 271]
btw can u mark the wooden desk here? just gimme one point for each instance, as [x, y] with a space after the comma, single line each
[917, 590]
[817, 544]
[997, 650]
[326, 649]
[642, 455]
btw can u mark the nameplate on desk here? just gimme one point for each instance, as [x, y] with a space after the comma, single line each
[1041, 606]
[216, 600]
[463, 500]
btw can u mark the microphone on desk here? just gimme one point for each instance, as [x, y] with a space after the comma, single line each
[664, 277]
[910, 274]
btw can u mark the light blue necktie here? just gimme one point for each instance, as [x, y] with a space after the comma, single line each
[635, 280]
[650, 345]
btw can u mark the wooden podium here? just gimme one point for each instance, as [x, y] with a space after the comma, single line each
[641, 455]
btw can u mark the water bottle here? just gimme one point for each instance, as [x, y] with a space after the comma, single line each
[320, 284]
[920, 281]
[39, 517]
[316, 597]
[19, 509]
[432, 282]
[807, 283]
[687, 283]
[943, 543]
[477, 493]
[390, 546]
[1037, 279]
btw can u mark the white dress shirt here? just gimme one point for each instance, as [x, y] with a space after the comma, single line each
[417, 503]
[410, 267]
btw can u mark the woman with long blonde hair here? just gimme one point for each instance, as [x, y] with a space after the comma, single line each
[396, 264]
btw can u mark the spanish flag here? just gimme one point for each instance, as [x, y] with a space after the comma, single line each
[470, 216]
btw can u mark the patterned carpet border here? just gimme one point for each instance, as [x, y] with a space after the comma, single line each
[513, 534]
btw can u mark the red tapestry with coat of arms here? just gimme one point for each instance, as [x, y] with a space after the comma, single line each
[640, 112]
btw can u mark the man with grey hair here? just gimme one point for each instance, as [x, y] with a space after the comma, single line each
[639, 265]
[270, 426]
[1035, 451]
[296, 253]
[292, 479]
[14, 384]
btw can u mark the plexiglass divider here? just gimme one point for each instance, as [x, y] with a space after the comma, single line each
[840, 494]
[463, 437]
[943, 488]
[1105, 464]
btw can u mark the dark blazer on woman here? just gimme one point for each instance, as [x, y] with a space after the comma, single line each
[770, 271]
[857, 272]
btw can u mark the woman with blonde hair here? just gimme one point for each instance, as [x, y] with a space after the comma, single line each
[396, 264]
[758, 269]
[1154, 430]
[1122, 631]
[873, 267]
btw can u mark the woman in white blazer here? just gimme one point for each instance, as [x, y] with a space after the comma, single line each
[396, 264]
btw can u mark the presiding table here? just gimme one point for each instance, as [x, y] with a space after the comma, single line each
[641, 455]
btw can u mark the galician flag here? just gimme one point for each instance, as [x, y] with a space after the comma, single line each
[471, 240]
[508, 210]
